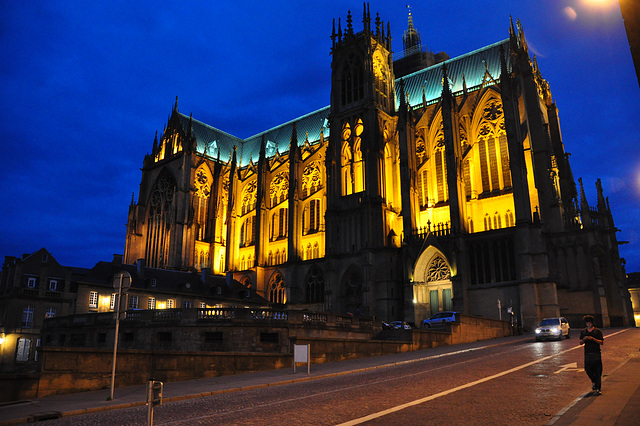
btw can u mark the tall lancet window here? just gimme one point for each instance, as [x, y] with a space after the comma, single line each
[202, 184]
[159, 222]
[358, 161]
[346, 161]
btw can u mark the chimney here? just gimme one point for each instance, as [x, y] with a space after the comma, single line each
[140, 264]
[117, 259]
[204, 276]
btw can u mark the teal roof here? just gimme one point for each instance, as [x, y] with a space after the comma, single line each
[473, 66]
[210, 139]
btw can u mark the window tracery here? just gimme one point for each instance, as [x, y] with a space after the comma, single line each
[159, 222]
[277, 290]
[438, 270]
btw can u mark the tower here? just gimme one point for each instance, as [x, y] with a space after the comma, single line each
[363, 175]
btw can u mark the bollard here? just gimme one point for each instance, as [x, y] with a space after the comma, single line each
[154, 397]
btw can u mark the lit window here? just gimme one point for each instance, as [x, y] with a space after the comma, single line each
[31, 282]
[171, 303]
[93, 299]
[23, 349]
[27, 317]
[133, 302]
[53, 284]
[151, 303]
[112, 303]
[51, 313]
[203, 305]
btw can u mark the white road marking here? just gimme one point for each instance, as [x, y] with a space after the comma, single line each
[568, 367]
[456, 389]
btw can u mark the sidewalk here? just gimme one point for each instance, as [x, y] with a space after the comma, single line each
[620, 402]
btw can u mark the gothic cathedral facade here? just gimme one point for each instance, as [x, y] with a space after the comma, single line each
[444, 188]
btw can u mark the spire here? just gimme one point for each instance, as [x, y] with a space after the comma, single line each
[584, 205]
[155, 144]
[388, 36]
[602, 203]
[132, 198]
[521, 39]
[365, 20]
[175, 107]
[349, 24]
[377, 25]
[446, 90]
[333, 35]
[411, 38]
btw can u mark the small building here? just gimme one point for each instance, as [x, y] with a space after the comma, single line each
[35, 287]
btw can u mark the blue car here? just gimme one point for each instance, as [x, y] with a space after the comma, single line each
[439, 319]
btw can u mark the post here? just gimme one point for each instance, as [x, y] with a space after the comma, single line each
[154, 397]
[119, 278]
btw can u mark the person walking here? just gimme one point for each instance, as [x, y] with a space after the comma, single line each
[592, 339]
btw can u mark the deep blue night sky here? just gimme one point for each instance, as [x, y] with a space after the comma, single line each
[85, 86]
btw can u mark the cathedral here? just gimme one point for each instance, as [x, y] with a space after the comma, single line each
[428, 184]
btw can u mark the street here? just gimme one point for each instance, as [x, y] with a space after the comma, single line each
[522, 382]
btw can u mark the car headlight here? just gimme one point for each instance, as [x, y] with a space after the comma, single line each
[555, 330]
[538, 331]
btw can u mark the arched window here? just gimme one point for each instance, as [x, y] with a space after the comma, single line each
[202, 183]
[277, 290]
[508, 218]
[358, 160]
[346, 161]
[308, 252]
[270, 258]
[441, 173]
[311, 179]
[249, 197]
[316, 250]
[159, 222]
[493, 152]
[315, 286]
[248, 232]
[352, 88]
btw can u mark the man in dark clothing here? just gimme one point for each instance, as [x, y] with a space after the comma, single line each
[592, 339]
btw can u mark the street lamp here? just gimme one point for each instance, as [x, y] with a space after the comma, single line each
[121, 282]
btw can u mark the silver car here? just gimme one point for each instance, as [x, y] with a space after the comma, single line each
[553, 328]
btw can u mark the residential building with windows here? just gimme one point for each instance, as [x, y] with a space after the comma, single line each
[28, 298]
[33, 287]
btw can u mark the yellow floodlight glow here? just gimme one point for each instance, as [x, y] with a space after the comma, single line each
[161, 305]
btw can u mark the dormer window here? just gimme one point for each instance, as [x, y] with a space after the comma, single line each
[53, 285]
[154, 282]
[31, 282]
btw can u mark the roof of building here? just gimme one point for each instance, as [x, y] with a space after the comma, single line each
[172, 282]
[472, 70]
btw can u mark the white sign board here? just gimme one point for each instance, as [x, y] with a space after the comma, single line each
[301, 354]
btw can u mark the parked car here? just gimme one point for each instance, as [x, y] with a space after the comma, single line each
[553, 328]
[399, 325]
[439, 319]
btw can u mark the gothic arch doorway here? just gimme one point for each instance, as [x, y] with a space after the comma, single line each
[432, 288]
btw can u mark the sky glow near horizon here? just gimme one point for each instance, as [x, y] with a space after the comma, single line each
[87, 85]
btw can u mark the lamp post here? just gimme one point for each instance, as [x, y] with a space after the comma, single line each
[121, 282]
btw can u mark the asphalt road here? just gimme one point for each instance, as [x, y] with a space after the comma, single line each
[524, 382]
